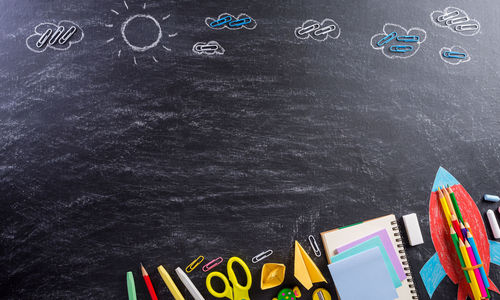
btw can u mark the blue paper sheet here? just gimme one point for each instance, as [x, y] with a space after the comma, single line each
[363, 276]
[374, 242]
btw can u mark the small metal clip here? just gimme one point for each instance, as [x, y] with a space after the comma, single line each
[240, 22]
[56, 35]
[67, 35]
[261, 256]
[221, 21]
[314, 246]
[447, 16]
[194, 264]
[214, 263]
[401, 48]
[325, 30]
[387, 39]
[408, 38]
[466, 27]
[43, 39]
[308, 29]
[457, 20]
[453, 54]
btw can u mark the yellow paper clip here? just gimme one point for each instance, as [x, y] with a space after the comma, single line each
[194, 264]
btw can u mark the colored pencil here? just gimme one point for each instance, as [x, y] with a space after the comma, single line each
[131, 286]
[147, 280]
[477, 273]
[464, 231]
[472, 243]
[473, 282]
[455, 204]
[456, 226]
[454, 238]
[444, 206]
[448, 201]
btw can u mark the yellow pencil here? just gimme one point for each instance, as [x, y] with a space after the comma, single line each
[473, 281]
[444, 206]
[448, 201]
[170, 283]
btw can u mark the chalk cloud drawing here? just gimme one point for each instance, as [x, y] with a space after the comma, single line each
[60, 36]
[328, 28]
[208, 48]
[396, 42]
[231, 22]
[454, 55]
[128, 22]
[456, 20]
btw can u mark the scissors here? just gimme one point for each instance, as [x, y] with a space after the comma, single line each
[237, 292]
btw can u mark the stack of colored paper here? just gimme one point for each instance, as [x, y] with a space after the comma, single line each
[366, 261]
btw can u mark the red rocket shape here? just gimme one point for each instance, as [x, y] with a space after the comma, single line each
[440, 233]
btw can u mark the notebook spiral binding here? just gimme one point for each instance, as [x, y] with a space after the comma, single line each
[406, 266]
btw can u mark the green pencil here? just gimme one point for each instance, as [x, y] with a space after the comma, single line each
[455, 204]
[131, 286]
[454, 238]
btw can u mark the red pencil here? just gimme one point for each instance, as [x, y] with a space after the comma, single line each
[456, 226]
[148, 283]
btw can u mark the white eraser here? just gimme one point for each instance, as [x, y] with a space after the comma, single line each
[413, 229]
[493, 223]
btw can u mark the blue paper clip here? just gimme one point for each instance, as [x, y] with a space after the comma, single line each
[408, 38]
[452, 54]
[387, 39]
[240, 22]
[221, 21]
[401, 48]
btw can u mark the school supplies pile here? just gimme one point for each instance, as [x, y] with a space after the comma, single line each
[367, 261]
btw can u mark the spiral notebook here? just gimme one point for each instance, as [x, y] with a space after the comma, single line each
[345, 238]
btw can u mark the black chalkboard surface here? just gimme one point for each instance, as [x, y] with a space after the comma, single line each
[111, 157]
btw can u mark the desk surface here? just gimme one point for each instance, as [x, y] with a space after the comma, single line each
[107, 162]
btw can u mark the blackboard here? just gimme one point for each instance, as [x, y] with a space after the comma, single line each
[107, 162]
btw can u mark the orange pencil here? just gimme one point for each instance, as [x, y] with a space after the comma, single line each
[151, 290]
[444, 206]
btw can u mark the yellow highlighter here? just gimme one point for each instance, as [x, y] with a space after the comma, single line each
[170, 283]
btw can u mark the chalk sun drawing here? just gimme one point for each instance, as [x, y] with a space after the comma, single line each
[155, 36]
[396, 42]
[328, 28]
[454, 55]
[60, 36]
[231, 22]
[456, 20]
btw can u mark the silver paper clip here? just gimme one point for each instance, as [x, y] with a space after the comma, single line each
[456, 21]
[466, 27]
[447, 16]
[214, 263]
[43, 39]
[262, 255]
[309, 29]
[59, 31]
[67, 35]
[387, 39]
[325, 30]
[314, 246]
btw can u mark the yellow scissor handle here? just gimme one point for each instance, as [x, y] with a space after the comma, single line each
[227, 292]
[240, 292]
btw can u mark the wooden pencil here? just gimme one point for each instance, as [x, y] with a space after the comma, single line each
[147, 280]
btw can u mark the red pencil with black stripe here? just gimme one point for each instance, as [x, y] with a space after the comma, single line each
[147, 280]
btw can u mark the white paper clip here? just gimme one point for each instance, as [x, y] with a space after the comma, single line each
[314, 246]
[262, 255]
